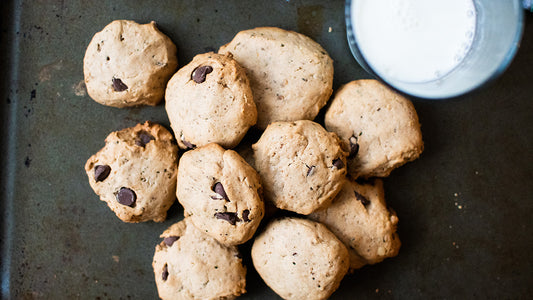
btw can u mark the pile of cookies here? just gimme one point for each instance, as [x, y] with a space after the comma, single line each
[327, 177]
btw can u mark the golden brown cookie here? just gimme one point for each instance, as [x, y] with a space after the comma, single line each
[291, 75]
[301, 165]
[220, 193]
[300, 259]
[379, 126]
[189, 264]
[135, 172]
[360, 218]
[129, 64]
[210, 101]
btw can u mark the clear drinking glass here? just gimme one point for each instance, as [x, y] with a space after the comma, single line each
[499, 27]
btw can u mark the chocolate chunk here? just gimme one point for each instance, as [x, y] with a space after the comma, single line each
[143, 138]
[227, 216]
[101, 172]
[118, 85]
[361, 198]
[311, 170]
[164, 275]
[199, 74]
[126, 197]
[245, 214]
[337, 163]
[188, 144]
[169, 240]
[354, 146]
[221, 193]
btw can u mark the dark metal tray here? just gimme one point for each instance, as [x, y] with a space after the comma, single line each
[465, 206]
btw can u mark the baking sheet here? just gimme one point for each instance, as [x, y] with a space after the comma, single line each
[465, 206]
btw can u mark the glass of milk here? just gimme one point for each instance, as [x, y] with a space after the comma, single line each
[432, 48]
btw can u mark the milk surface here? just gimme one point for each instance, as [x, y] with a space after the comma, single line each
[413, 40]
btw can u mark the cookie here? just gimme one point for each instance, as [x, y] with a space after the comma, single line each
[301, 165]
[210, 101]
[379, 126]
[300, 259]
[135, 172]
[360, 218]
[189, 264]
[291, 75]
[220, 193]
[129, 64]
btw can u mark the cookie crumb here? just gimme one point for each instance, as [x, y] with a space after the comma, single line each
[80, 89]
[116, 258]
[330, 29]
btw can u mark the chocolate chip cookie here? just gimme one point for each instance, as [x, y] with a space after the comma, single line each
[300, 259]
[210, 101]
[360, 218]
[135, 172]
[189, 264]
[129, 64]
[220, 193]
[379, 126]
[301, 165]
[291, 75]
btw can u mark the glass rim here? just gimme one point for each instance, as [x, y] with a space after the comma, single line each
[502, 66]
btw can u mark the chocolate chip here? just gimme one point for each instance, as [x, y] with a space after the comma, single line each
[221, 193]
[118, 85]
[354, 146]
[311, 170]
[169, 240]
[126, 196]
[337, 163]
[164, 275]
[227, 216]
[199, 74]
[361, 198]
[101, 172]
[245, 214]
[187, 144]
[143, 138]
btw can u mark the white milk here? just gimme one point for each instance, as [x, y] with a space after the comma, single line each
[413, 40]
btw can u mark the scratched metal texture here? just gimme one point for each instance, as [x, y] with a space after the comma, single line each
[465, 206]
